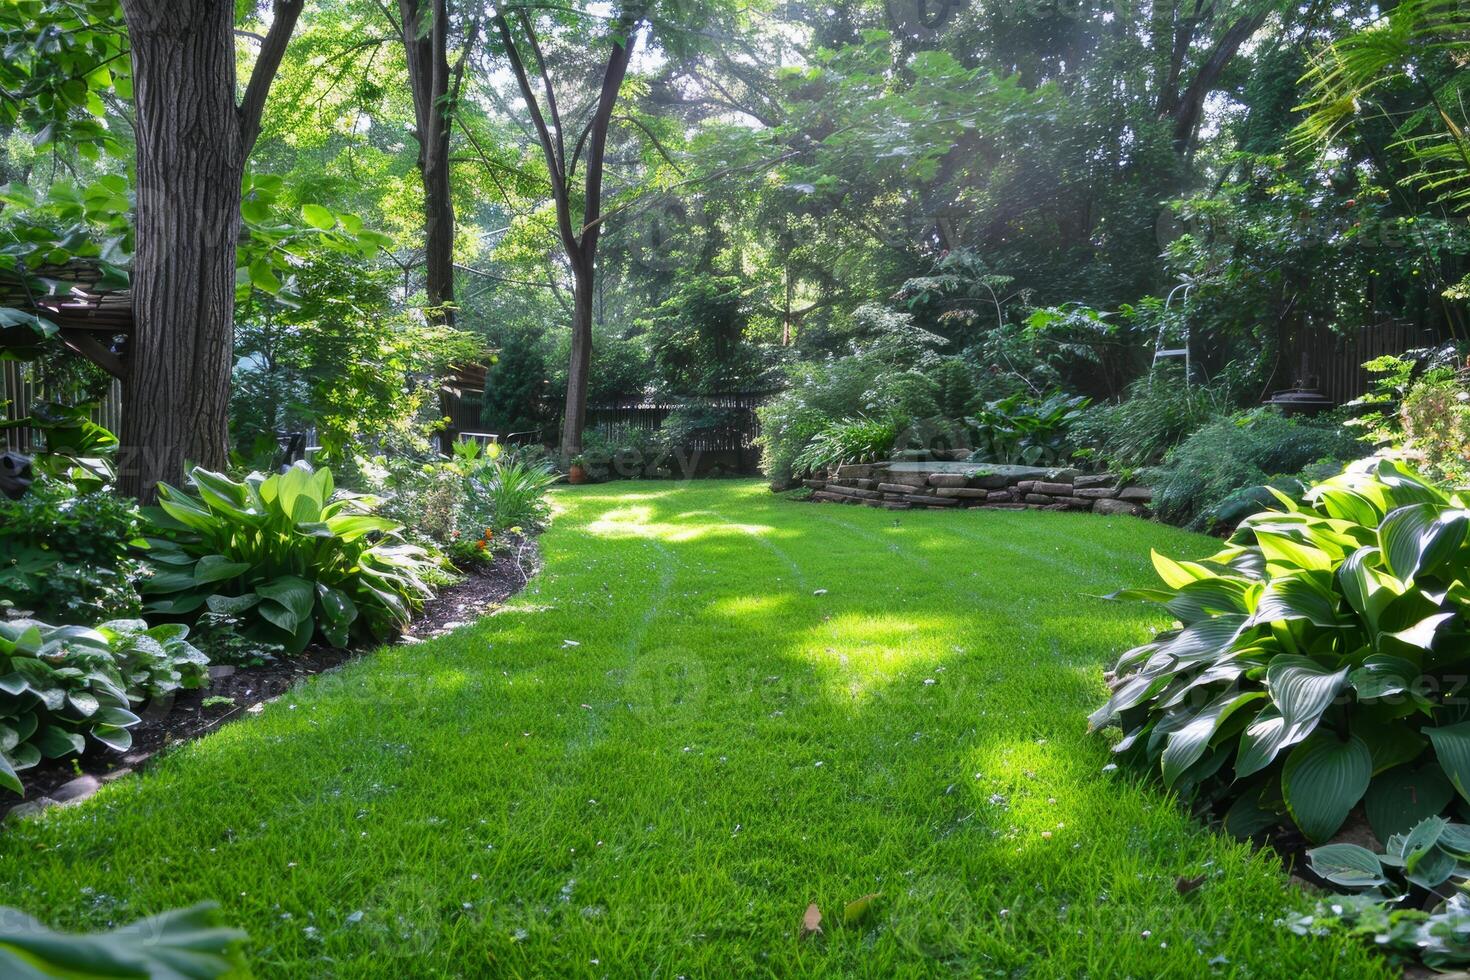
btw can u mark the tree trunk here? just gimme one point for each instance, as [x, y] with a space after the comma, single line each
[192, 144]
[580, 364]
[190, 159]
[424, 46]
[439, 238]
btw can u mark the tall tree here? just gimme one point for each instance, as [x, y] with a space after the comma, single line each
[424, 26]
[579, 223]
[193, 140]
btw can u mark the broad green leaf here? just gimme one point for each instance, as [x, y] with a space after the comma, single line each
[217, 568]
[1301, 688]
[1208, 597]
[1207, 640]
[1187, 744]
[1324, 777]
[1402, 797]
[291, 592]
[1452, 749]
[1421, 536]
[1289, 554]
[1382, 676]
[318, 217]
[1263, 740]
[336, 606]
[1175, 574]
[1347, 865]
[1421, 839]
[56, 742]
[1295, 597]
[229, 605]
[263, 277]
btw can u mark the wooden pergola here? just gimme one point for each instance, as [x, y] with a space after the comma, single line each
[95, 321]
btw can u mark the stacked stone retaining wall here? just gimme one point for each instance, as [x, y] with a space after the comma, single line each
[941, 484]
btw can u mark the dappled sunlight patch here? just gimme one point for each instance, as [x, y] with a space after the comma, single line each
[859, 654]
[751, 606]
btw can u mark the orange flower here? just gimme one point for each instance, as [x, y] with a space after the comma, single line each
[480, 545]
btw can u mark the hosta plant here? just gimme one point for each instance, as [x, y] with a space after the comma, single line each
[59, 685]
[156, 660]
[1318, 662]
[285, 554]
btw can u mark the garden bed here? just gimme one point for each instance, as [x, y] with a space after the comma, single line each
[188, 714]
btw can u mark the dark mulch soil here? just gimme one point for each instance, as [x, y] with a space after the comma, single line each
[185, 716]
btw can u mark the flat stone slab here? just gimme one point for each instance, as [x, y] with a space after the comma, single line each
[1041, 473]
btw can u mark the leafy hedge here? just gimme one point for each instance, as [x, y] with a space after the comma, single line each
[65, 554]
[61, 685]
[1318, 662]
[285, 555]
[1238, 451]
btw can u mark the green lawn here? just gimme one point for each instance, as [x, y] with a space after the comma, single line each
[659, 754]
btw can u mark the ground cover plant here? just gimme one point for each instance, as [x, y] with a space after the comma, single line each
[840, 703]
[61, 686]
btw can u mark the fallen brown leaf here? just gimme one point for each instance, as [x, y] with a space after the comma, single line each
[1186, 885]
[811, 922]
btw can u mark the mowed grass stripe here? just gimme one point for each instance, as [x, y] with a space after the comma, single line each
[720, 748]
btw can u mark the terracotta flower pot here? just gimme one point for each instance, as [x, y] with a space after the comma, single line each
[577, 474]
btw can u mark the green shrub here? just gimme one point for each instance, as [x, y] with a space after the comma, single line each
[1238, 451]
[1316, 664]
[1021, 429]
[511, 494]
[884, 376]
[285, 556]
[64, 554]
[426, 497]
[1436, 426]
[1155, 414]
[857, 440]
[60, 685]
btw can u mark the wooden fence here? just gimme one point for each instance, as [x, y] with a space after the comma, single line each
[18, 393]
[644, 416]
[1337, 358]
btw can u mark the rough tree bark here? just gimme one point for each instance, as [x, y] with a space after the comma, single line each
[435, 87]
[580, 243]
[1184, 107]
[192, 144]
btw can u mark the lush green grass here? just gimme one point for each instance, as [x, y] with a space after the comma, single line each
[721, 747]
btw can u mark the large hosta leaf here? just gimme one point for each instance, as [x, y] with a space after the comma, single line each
[295, 594]
[1383, 676]
[1324, 777]
[1452, 749]
[1368, 590]
[1187, 744]
[1204, 641]
[1305, 596]
[1421, 536]
[1301, 688]
[1399, 799]
[1263, 740]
